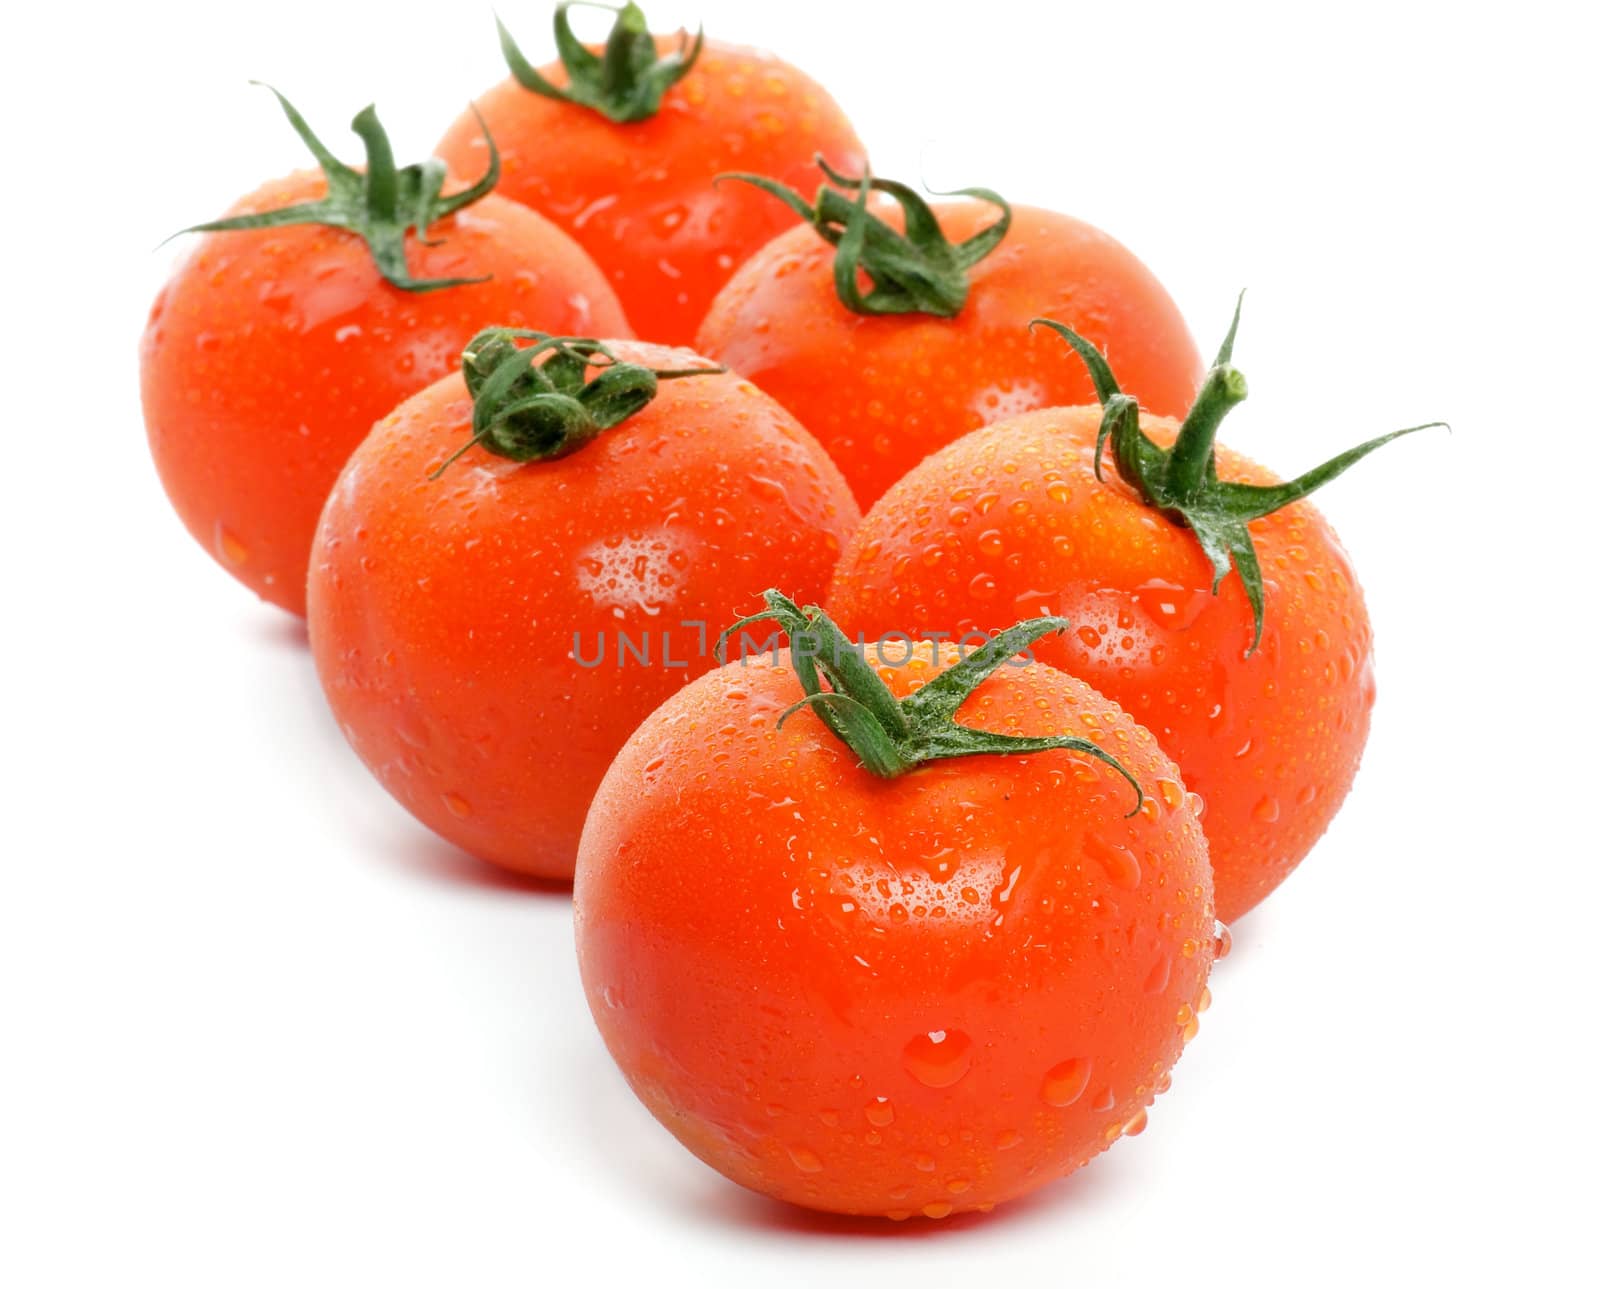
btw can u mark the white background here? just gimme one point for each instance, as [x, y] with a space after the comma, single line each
[260, 1029]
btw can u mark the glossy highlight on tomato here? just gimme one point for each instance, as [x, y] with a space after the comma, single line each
[270, 353]
[457, 622]
[918, 995]
[1011, 522]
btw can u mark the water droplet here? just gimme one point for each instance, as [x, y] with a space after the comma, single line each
[990, 542]
[880, 1113]
[982, 587]
[805, 1159]
[230, 548]
[922, 1163]
[1064, 1083]
[1203, 1003]
[1266, 810]
[1223, 944]
[1121, 865]
[1160, 973]
[940, 1209]
[1008, 1139]
[458, 805]
[958, 1184]
[939, 1058]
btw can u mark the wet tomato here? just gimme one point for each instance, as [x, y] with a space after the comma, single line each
[275, 346]
[917, 994]
[940, 345]
[621, 147]
[489, 631]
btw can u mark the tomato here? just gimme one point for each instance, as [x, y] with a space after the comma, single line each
[273, 349]
[1013, 519]
[490, 637]
[918, 994]
[886, 379]
[626, 163]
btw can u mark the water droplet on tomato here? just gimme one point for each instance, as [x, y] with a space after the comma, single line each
[230, 548]
[458, 805]
[939, 1058]
[1223, 945]
[1121, 865]
[937, 1210]
[805, 1159]
[880, 1113]
[1064, 1083]
[1266, 810]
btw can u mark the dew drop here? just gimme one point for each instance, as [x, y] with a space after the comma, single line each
[1223, 945]
[1121, 865]
[937, 1210]
[230, 548]
[1064, 1083]
[805, 1159]
[1266, 810]
[458, 805]
[938, 1059]
[880, 1113]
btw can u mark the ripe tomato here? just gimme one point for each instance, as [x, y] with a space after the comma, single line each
[625, 162]
[458, 623]
[886, 379]
[919, 994]
[1013, 519]
[275, 346]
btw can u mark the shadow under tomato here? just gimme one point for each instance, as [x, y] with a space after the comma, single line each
[281, 630]
[433, 859]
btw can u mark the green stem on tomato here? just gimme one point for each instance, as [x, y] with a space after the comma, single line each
[526, 409]
[893, 735]
[915, 271]
[625, 83]
[1181, 481]
[380, 203]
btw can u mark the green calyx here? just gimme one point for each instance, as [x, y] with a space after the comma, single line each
[624, 83]
[380, 204]
[531, 410]
[1181, 481]
[917, 271]
[895, 735]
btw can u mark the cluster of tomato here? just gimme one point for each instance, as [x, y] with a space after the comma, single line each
[911, 915]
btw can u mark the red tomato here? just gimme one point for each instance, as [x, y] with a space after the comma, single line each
[915, 995]
[270, 353]
[882, 390]
[458, 622]
[1012, 520]
[636, 190]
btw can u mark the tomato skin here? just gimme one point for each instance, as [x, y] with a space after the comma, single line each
[881, 393]
[640, 197]
[798, 990]
[269, 355]
[1010, 522]
[445, 614]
